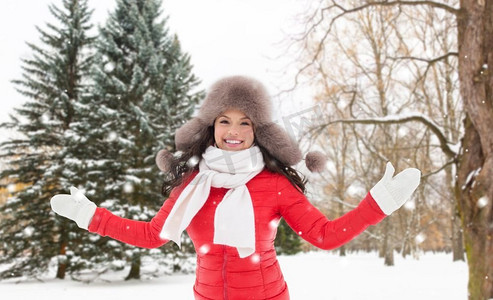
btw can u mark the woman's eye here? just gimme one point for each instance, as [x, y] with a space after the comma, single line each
[223, 122]
[245, 123]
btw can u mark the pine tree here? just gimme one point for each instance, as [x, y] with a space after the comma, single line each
[287, 241]
[53, 80]
[143, 90]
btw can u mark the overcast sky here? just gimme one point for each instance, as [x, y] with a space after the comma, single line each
[223, 37]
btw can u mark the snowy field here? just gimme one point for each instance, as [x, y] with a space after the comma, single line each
[310, 276]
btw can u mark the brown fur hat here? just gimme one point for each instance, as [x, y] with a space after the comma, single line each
[249, 96]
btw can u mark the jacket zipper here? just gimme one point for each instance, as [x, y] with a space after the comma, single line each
[225, 283]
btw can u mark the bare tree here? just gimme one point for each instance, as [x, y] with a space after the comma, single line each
[435, 86]
[473, 20]
[359, 77]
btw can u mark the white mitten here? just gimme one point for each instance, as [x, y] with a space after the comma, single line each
[75, 206]
[390, 193]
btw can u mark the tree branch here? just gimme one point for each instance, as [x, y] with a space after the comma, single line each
[439, 169]
[444, 144]
[429, 61]
[433, 4]
[345, 11]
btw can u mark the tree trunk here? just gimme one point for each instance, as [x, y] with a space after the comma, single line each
[62, 263]
[342, 249]
[477, 234]
[457, 239]
[387, 252]
[385, 234]
[135, 268]
[455, 224]
[389, 257]
[475, 167]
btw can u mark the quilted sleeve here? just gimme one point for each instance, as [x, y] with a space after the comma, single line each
[137, 233]
[313, 226]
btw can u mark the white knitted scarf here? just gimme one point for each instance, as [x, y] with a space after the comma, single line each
[234, 223]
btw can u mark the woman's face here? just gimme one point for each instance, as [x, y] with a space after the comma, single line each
[233, 131]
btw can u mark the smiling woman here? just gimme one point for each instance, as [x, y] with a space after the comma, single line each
[233, 131]
[231, 202]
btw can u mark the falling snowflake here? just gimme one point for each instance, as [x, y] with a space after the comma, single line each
[46, 117]
[128, 187]
[28, 231]
[410, 205]
[109, 67]
[403, 131]
[255, 258]
[112, 136]
[204, 249]
[11, 188]
[421, 237]
[274, 223]
[482, 202]
[193, 161]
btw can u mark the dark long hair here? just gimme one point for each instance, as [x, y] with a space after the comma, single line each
[181, 167]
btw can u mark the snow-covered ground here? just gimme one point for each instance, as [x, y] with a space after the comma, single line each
[313, 276]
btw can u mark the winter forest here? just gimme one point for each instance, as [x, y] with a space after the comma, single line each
[391, 80]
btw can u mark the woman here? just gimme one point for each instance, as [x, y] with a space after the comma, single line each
[231, 202]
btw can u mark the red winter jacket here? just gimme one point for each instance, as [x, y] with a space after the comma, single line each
[220, 273]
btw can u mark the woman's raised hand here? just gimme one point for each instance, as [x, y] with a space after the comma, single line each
[75, 206]
[391, 192]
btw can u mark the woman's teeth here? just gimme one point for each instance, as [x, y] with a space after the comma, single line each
[232, 142]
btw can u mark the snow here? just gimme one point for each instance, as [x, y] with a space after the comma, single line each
[420, 237]
[313, 275]
[482, 202]
[470, 176]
